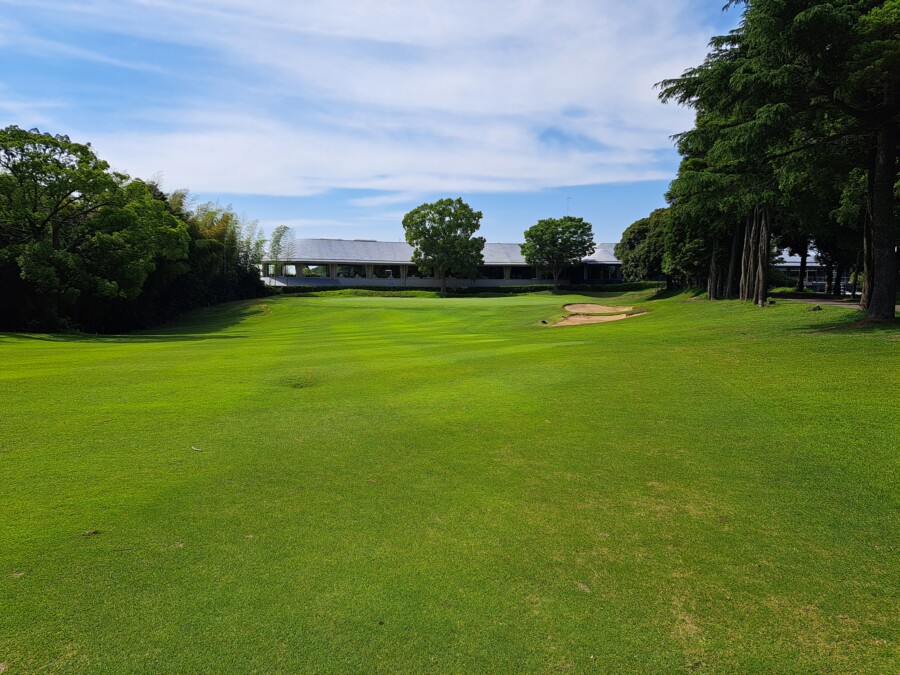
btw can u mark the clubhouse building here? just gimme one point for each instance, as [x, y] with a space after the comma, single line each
[366, 262]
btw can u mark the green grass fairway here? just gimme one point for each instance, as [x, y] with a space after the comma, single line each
[425, 484]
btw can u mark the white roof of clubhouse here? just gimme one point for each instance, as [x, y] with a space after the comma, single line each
[371, 252]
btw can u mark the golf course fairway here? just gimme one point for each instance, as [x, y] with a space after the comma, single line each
[346, 483]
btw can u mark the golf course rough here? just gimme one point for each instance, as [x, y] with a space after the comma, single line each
[441, 484]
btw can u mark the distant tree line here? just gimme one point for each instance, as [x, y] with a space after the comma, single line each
[795, 147]
[87, 248]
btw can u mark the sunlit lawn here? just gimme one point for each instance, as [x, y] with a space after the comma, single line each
[344, 483]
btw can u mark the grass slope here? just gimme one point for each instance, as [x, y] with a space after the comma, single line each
[412, 484]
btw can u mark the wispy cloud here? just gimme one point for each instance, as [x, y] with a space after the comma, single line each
[403, 98]
[386, 199]
[27, 112]
[18, 38]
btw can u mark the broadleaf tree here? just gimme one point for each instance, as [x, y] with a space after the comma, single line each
[78, 236]
[558, 243]
[442, 236]
[642, 247]
[84, 247]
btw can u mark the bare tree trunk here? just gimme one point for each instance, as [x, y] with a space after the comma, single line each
[733, 260]
[722, 279]
[712, 282]
[868, 266]
[443, 277]
[723, 285]
[555, 272]
[761, 291]
[884, 235]
[748, 267]
[829, 279]
[837, 289]
[854, 280]
[753, 268]
[801, 280]
[745, 260]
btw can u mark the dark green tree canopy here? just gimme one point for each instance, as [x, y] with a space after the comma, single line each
[643, 247]
[82, 246]
[557, 243]
[72, 227]
[49, 184]
[442, 235]
[789, 105]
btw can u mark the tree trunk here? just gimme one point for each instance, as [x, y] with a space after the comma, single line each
[712, 282]
[868, 266]
[837, 289]
[736, 242]
[443, 278]
[723, 284]
[748, 267]
[722, 279]
[761, 291]
[884, 237]
[555, 272]
[854, 280]
[829, 279]
[801, 280]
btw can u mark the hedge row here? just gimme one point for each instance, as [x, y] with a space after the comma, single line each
[471, 290]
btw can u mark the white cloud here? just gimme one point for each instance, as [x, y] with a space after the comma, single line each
[405, 97]
[386, 199]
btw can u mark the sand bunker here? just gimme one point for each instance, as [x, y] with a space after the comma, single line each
[581, 319]
[589, 308]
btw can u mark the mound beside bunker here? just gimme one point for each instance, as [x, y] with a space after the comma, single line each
[581, 319]
[590, 308]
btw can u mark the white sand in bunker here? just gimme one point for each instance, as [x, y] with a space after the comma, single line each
[590, 308]
[581, 319]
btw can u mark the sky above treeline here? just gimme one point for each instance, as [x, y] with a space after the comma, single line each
[336, 117]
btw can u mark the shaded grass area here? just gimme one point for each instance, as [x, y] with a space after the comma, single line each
[384, 483]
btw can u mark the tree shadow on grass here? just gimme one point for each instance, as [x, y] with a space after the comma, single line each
[648, 294]
[668, 293]
[195, 326]
[126, 338]
[855, 323]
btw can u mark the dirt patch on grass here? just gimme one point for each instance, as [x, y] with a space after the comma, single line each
[581, 319]
[591, 308]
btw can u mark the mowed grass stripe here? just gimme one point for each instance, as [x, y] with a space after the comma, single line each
[448, 484]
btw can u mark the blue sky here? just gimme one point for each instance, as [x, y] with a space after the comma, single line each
[337, 116]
